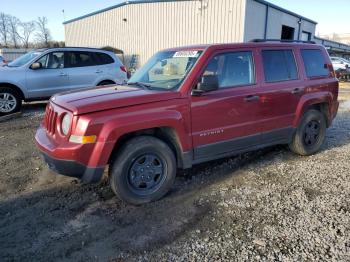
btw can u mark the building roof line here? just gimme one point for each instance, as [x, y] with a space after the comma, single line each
[339, 44]
[162, 1]
[285, 11]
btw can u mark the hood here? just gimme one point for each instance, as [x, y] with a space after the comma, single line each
[110, 97]
[6, 69]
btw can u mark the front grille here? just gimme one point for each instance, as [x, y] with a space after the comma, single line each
[50, 120]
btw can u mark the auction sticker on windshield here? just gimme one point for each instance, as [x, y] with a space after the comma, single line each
[186, 54]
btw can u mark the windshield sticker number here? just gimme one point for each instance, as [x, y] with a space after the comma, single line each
[186, 54]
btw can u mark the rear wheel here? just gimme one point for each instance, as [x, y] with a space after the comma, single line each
[10, 101]
[310, 133]
[143, 170]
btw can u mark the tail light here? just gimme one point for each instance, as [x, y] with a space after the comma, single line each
[123, 68]
[331, 70]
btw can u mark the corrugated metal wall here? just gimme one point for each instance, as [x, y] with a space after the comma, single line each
[256, 17]
[150, 27]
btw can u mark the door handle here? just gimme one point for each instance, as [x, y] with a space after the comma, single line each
[98, 71]
[297, 91]
[251, 98]
[62, 74]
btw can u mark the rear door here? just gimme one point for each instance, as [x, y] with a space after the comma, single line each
[83, 69]
[282, 88]
[227, 120]
[52, 78]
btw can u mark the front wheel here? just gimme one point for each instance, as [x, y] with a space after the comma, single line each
[310, 133]
[10, 101]
[143, 171]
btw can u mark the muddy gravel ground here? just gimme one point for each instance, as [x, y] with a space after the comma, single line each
[261, 206]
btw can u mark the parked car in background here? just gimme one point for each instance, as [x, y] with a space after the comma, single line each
[340, 63]
[2, 61]
[41, 73]
[190, 105]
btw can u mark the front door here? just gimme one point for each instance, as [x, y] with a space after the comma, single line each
[227, 120]
[50, 79]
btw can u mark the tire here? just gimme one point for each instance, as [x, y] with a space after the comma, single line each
[106, 83]
[310, 133]
[143, 171]
[10, 101]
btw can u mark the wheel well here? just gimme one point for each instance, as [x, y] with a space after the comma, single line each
[106, 82]
[324, 109]
[18, 90]
[166, 134]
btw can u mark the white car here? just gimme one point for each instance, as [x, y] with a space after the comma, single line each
[42, 73]
[340, 63]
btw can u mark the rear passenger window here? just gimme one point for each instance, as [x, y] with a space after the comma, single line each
[232, 69]
[314, 63]
[279, 65]
[80, 59]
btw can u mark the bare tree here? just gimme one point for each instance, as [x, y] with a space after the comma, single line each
[4, 28]
[27, 30]
[43, 35]
[14, 23]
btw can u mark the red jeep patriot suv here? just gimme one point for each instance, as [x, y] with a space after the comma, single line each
[189, 105]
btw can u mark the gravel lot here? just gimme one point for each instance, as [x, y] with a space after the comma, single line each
[261, 206]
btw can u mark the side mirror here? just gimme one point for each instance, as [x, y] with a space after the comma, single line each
[36, 65]
[208, 83]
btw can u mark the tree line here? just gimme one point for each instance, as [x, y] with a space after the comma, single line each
[33, 34]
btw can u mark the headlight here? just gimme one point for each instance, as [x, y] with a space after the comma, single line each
[65, 125]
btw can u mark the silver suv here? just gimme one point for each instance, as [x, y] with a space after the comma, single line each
[42, 73]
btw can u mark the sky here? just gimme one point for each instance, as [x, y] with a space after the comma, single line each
[332, 16]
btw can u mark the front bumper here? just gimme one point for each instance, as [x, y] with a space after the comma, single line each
[74, 169]
[68, 159]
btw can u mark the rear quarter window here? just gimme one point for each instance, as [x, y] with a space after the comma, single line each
[314, 62]
[103, 59]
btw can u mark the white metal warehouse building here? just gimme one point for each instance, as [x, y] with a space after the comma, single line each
[141, 28]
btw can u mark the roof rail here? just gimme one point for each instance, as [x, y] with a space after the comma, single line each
[282, 41]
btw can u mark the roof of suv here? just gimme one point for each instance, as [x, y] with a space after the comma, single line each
[68, 48]
[244, 45]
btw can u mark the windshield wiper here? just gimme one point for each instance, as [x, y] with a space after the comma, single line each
[140, 84]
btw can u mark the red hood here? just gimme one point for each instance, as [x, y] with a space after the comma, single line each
[104, 98]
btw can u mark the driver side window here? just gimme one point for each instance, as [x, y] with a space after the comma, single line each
[232, 69]
[54, 60]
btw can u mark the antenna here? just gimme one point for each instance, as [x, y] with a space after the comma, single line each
[64, 15]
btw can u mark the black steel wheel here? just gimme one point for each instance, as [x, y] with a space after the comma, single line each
[310, 134]
[143, 170]
[146, 174]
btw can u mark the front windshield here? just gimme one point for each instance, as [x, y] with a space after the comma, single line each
[22, 60]
[166, 70]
